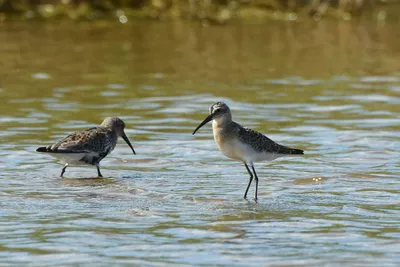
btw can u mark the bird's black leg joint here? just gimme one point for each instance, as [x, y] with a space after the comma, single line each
[256, 179]
[63, 170]
[98, 171]
[250, 180]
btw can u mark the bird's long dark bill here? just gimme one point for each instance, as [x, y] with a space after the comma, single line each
[128, 142]
[209, 118]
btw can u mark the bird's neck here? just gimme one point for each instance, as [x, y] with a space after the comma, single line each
[220, 122]
[221, 126]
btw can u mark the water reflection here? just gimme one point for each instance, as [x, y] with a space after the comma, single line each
[330, 88]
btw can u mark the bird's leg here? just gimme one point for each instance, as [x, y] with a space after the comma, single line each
[63, 170]
[250, 179]
[256, 179]
[98, 171]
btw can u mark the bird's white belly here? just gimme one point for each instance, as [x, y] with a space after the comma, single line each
[72, 158]
[238, 150]
[233, 149]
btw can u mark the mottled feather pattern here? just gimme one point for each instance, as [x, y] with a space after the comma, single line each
[97, 139]
[242, 144]
[88, 146]
[261, 143]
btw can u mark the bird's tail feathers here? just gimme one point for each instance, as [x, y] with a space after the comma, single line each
[289, 150]
[294, 151]
[43, 149]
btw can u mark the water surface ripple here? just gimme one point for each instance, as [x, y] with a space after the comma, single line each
[178, 201]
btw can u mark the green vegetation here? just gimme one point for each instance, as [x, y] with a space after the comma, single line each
[206, 11]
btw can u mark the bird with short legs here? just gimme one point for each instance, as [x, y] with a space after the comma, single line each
[88, 147]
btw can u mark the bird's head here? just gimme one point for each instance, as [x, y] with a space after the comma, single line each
[220, 112]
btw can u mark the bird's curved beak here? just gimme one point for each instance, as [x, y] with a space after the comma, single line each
[123, 135]
[209, 118]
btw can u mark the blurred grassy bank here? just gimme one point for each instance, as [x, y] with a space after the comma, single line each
[206, 11]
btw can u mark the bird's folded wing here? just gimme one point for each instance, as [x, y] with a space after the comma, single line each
[91, 140]
[261, 143]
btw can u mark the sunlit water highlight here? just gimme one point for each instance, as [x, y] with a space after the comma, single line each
[178, 201]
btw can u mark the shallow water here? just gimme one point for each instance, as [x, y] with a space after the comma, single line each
[330, 88]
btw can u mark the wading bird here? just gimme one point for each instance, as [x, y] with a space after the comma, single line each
[243, 144]
[88, 147]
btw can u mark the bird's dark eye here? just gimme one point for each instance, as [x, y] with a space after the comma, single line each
[217, 110]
